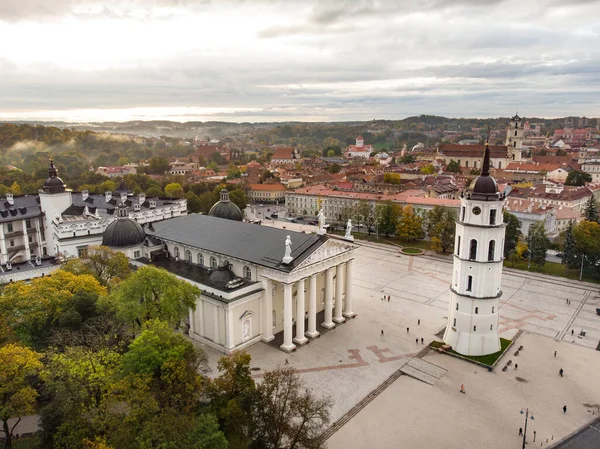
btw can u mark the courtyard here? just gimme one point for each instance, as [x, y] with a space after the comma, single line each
[354, 359]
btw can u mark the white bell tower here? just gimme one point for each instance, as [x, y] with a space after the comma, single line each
[477, 274]
[514, 138]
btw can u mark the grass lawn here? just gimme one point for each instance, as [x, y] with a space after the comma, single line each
[26, 443]
[551, 268]
[487, 359]
[392, 240]
[409, 250]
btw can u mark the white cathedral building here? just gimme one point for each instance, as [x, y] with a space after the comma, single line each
[477, 274]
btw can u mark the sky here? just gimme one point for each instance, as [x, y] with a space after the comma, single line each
[297, 60]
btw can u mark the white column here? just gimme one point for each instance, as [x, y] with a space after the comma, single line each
[312, 307]
[26, 241]
[229, 342]
[268, 311]
[287, 318]
[192, 322]
[339, 285]
[38, 237]
[199, 313]
[328, 299]
[3, 251]
[300, 311]
[216, 337]
[348, 313]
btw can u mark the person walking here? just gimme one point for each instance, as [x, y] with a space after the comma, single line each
[462, 389]
[416, 340]
[407, 330]
[419, 322]
[382, 332]
[422, 340]
[516, 366]
[561, 372]
[388, 298]
[534, 434]
[564, 409]
[520, 431]
[572, 332]
[286, 362]
[554, 354]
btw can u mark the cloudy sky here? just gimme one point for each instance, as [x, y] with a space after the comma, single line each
[311, 60]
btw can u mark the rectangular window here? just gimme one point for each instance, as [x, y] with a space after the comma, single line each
[454, 323]
[493, 217]
[136, 254]
[12, 243]
[462, 215]
[474, 328]
[10, 227]
[28, 224]
[30, 238]
[81, 251]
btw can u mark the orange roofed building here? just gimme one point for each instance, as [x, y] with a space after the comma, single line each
[266, 193]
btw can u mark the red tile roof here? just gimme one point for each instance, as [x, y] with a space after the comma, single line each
[456, 150]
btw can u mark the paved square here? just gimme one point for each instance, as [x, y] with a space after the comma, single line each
[351, 361]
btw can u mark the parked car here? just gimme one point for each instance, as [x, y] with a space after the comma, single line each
[313, 222]
[293, 220]
[300, 218]
[274, 216]
[268, 210]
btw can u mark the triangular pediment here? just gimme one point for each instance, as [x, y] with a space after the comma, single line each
[328, 249]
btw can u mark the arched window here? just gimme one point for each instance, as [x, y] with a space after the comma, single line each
[492, 309]
[456, 306]
[469, 283]
[476, 310]
[500, 164]
[473, 250]
[454, 323]
[493, 216]
[188, 255]
[467, 164]
[176, 252]
[200, 259]
[514, 144]
[458, 246]
[491, 250]
[247, 272]
[213, 262]
[474, 328]
[491, 326]
[515, 132]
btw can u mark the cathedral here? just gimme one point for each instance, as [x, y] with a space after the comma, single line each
[258, 283]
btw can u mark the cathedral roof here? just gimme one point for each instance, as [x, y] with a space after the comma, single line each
[225, 208]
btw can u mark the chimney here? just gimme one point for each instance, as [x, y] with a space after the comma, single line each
[142, 198]
[10, 198]
[123, 197]
[152, 204]
[136, 207]
[107, 196]
[84, 194]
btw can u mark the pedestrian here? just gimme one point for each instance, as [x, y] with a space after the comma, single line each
[419, 321]
[462, 389]
[383, 297]
[407, 330]
[567, 301]
[534, 436]
[561, 372]
[382, 332]
[422, 340]
[572, 332]
[388, 298]
[286, 362]
[416, 340]
[516, 366]
[520, 431]
[554, 354]
[564, 409]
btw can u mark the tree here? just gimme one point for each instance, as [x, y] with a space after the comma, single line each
[587, 244]
[238, 197]
[391, 178]
[17, 395]
[151, 293]
[410, 225]
[15, 188]
[193, 202]
[287, 414]
[538, 243]
[231, 395]
[427, 169]
[512, 233]
[334, 168]
[158, 165]
[578, 178]
[569, 255]
[453, 166]
[107, 266]
[518, 252]
[407, 159]
[388, 214]
[365, 214]
[590, 211]
[441, 227]
[174, 190]
[206, 434]
[154, 191]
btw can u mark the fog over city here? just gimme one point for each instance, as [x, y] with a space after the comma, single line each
[308, 60]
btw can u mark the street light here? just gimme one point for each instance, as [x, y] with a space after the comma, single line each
[581, 270]
[526, 412]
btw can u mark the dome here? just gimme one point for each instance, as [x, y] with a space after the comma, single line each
[225, 208]
[485, 187]
[221, 275]
[53, 184]
[123, 231]
[485, 184]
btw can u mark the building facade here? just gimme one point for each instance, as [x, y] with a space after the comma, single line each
[477, 276]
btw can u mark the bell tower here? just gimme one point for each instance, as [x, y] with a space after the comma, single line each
[514, 138]
[477, 272]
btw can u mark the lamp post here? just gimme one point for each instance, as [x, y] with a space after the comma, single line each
[581, 270]
[526, 412]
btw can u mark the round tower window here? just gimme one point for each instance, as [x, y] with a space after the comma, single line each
[476, 210]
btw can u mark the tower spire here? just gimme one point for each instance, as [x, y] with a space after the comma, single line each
[485, 168]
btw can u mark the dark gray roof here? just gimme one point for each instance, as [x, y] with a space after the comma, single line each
[256, 244]
[123, 232]
[27, 206]
[97, 201]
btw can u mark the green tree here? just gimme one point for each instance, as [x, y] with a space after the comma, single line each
[428, 169]
[216, 158]
[286, 414]
[590, 211]
[569, 256]
[334, 168]
[193, 202]
[587, 245]
[441, 227]
[578, 178]
[151, 293]
[107, 266]
[407, 159]
[538, 243]
[154, 192]
[453, 166]
[158, 165]
[410, 225]
[388, 214]
[233, 172]
[365, 214]
[174, 190]
[238, 197]
[18, 365]
[206, 434]
[512, 233]
[391, 178]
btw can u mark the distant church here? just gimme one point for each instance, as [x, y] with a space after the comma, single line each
[470, 156]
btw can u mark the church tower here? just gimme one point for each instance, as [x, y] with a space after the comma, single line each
[55, 198]
[514, 138]
[475, 291]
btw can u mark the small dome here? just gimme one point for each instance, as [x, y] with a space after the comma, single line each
[123, 232]
[225, 208]
[221, 275]
[53, 184]
[485, 185]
